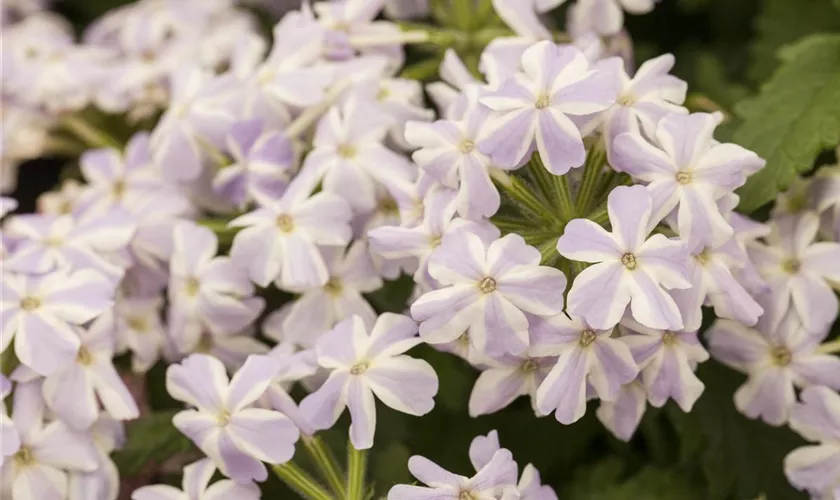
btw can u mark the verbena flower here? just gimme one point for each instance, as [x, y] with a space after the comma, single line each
[585, 358]
[667, 360]
[262, 160]
[816, 467]
[48, 450]
[448, 153]
[278, 241]
[506, 377]
[108, 435]
[798, 269]
[139, 328]
[532, 109]
[687, 171]
[41, 313]
[85, 241]
[363, 365]
[777, 356]
[606, 17]
[235, 436]
[487, 288]
[349, 154]
[623, 415]
[319, 308]
[206, 291]
[499, 473]
[196, 486]
[9, 437]
[483, 448]
[76, 391]
[630, 267]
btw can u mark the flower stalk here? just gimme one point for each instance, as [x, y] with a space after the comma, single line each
[356, 472]
[298, 480]
[326, 463]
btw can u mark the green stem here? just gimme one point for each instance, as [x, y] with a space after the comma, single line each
[88, 134]
[60, 146]
[830, 347]
[298, 480]
[600, 215]
[567, 206]
[520, 193]
[356, 469]
[591, 175]
[326, 462]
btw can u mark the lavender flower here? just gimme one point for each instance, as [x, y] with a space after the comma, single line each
[139, 328]
[487, 289]
[40, 313]
[363, 365]
[826, 192]
[713, 281]
[75, 391]
[585, 357]
[798, 269]
[777, 355]
[206, 291]
[294, 366]
[104, 483]
[504, 378]
[622, 416]
[69, 242]
[47, 450]
[261, 164]
[643, 100]
[348, 153]
[687, 171]
[606, 17]
[667, 360]
[318, 309]
[196, 486]
[532, 108]
[279, 240]
[630, 269]
[231, 348]
[236, 437]
[816, 467]
[498, 474]
[482, 450]
[448, 154]
[9, 438]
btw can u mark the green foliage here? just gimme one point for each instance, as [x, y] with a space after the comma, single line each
[738, 458]
[608, 480]
[782, 22]
[152, 438]
[793, 118]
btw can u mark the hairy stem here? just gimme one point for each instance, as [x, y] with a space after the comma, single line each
[356, 470]
[326, 462]
[91, 136]
[298, 480]
[592, 173]
[832, 347]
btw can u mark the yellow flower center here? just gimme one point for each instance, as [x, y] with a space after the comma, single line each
[223, 418]
[346, 151]
[587, 337]
[669, 338]
[383, 94]
[791, 266]
[29, 304]
[334, 286]
[529, 366]
[118, 189]
[191, 286]
[434, 240]
[487, 285]
[359, 368]
[703, 257]
[467, 146]
[684, 177]
[781, 355]
[84, 357]
[543, 101]
[205, 344]
[628, 260]
[24, 457]
[285, 223]
[138, 324]
[626, 100]
[466, 495]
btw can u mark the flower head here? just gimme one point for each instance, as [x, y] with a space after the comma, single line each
[630, 268]
[487, 288]
[533, 108]
[363, 365]
[237, 437]
[196, 486]
[817, 418]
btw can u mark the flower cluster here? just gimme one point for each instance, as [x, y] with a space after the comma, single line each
[566, 223]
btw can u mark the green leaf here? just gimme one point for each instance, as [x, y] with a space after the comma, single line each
[793, 118]
[152, 438]
[782, 22]
[740, 458]
[607, 480]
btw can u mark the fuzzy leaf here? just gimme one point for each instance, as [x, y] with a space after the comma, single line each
[740, 458]
[794, 117]
[607, 480]
[152, 438]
